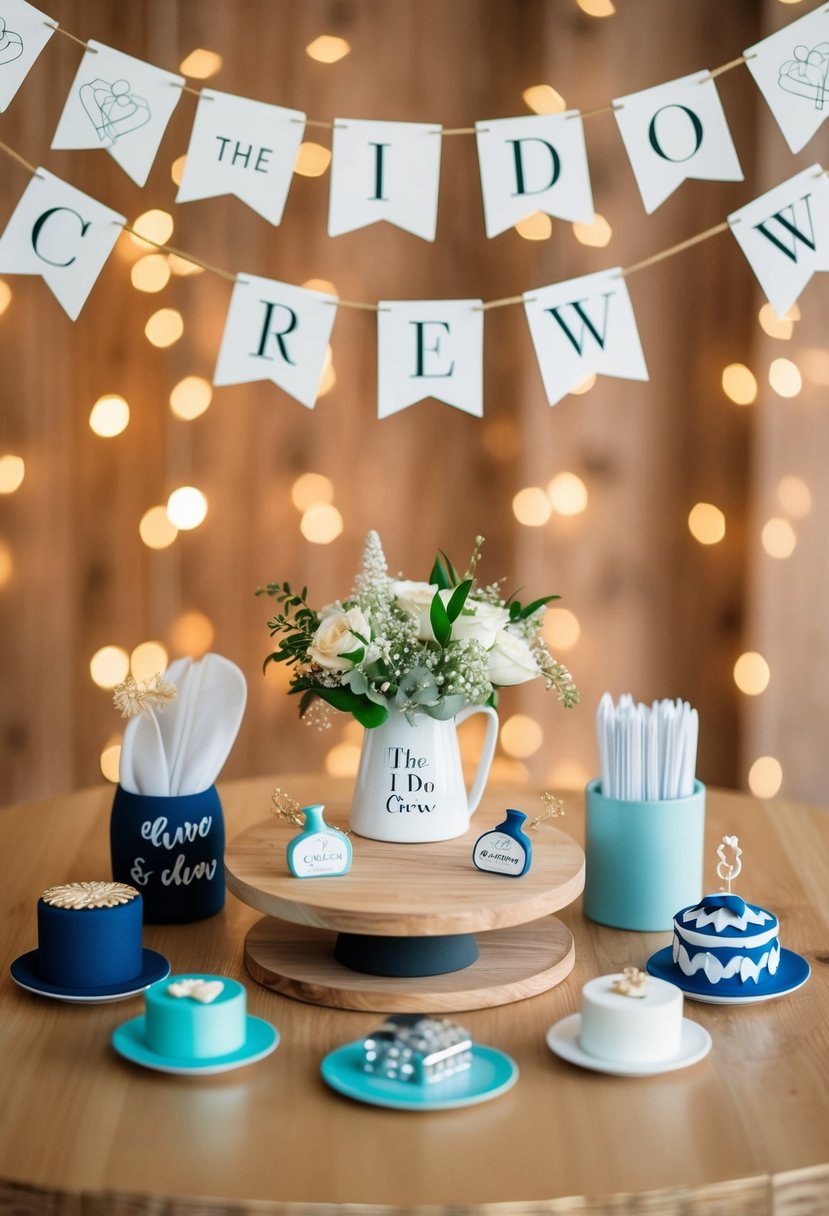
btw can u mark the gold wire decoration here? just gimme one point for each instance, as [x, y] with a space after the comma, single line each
[553, 809]
[133, 697]
[286, 807]
[633, 983]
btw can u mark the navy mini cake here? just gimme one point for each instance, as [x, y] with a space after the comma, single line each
[89, 935]
[727, 943]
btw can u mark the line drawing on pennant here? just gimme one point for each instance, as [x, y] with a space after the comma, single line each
[805, 75]
[11, 44]
[113, 110]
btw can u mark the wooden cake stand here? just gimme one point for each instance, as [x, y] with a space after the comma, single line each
[398, 931]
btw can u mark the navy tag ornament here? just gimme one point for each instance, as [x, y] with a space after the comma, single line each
[504, 849]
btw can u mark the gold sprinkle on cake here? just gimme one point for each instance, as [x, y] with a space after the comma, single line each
[89, 895]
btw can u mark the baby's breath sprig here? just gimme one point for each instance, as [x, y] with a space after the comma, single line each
[133, 697]
[553, 809]
[287, 807]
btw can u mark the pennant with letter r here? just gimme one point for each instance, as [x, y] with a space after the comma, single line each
[242, 147]
[785, 235]
[120, 104]
[24, 32]
[581, 327]
[62, 235]
[791, 70]
[275, 331]
[430, 348]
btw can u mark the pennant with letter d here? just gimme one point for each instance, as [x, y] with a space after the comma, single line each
[791, 70]
[24, 32]
[275, 331]
[430, 348]
[62, 235]
[581, 327]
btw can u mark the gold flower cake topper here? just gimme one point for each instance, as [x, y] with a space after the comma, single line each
[134, 697]
[632, 983]
[89, 895]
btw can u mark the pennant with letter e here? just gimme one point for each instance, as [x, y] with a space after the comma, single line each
[430, 348]
[673, 132]
[24, 32]
[785, 235]
[275, 331]
[581, 327]
[384, 171]
[242, 147]
[791, 70]
[61, 234]
[120, 104]
[534, 163]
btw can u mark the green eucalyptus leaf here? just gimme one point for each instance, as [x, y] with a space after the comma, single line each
[355, 656]
[458, 599]
[439, 575]
[441, 625]
[446, 707]
[454, 577]
[366, 712]
[534, 607]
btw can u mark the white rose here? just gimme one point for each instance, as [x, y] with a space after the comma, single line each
[335, 637]
[511, 660]
[483, 626]
[416, 599]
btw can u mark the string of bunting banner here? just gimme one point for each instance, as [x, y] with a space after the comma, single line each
[280, 332]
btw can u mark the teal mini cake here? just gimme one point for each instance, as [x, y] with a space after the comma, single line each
[196, 1017]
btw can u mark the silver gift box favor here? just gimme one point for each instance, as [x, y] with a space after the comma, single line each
[423, 1050]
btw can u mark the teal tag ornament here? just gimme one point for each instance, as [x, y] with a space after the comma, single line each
[319, 851]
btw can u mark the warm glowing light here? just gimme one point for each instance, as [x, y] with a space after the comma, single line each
[585, 385]
[561, 629]
[535, 227]
[109, 666]
[164, 327]
[186, 508]
[569, 775]
[778, 538]
[147, 660]
[155, 528]
[343, 760]
[567, 494]
[156, 225]
[321, 524]
[311, 490]
[183, 266]
[765, 777]
[706, 523]
[794, 496]
[785, 378]
[598, 233]
[739, 383]
[109, 416]
[150, 273]
[544, 99]
[193, 633]
[329, 377]
[177, 169]
[191, 397]
[778, 327]
[12, 472]
[6, 564]
[502, 439]
[327, 49]
[323, 285]
[751, 673]
[312, 159]
[5, 296]
[531, 507]
[110, 759]
[200, 64]
[815, 362]
[597, 8]
[521, 736]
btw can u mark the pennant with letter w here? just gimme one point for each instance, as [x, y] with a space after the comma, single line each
[581, 327]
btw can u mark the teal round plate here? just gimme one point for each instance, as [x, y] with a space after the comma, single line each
[492, 1073]
[129, 1040]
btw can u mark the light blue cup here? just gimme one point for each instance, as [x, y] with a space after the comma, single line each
[643, 859]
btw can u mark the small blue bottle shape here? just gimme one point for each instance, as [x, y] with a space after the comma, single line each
[505, 849]
[319, 851]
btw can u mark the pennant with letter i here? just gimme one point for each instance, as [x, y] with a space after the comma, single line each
[24, 32]
[581, 327]
[673, 132]
[384, 171]
[430, 348]
[242, 147]
[120, 104]
[275, 331]
[62, 235]
[785, 235]
[534, 163]
[791, 70]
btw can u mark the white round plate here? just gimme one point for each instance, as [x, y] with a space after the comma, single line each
[563, 1039]
[792, 974]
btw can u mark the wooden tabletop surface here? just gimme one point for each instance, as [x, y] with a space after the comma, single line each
[744, 1131]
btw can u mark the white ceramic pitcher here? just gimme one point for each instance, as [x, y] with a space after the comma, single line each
[410, 785]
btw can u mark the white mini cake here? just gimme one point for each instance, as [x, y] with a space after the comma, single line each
[631, 1027]
[196, 1017]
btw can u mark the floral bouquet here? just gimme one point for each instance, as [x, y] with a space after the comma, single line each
[412, 647]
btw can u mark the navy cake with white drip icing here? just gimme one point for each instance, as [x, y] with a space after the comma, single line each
[732, 944]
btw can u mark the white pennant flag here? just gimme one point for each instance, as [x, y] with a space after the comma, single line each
[791, 69]
[384, 171]
[581, 327]
[534, 163]
[676, 131]
[785, 235]
[62, 235]
[275, 331]
[242, 147]
[24, 32]
[430, 348]
[120, 104]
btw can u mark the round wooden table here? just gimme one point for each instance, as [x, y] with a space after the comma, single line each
[745, 1131]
